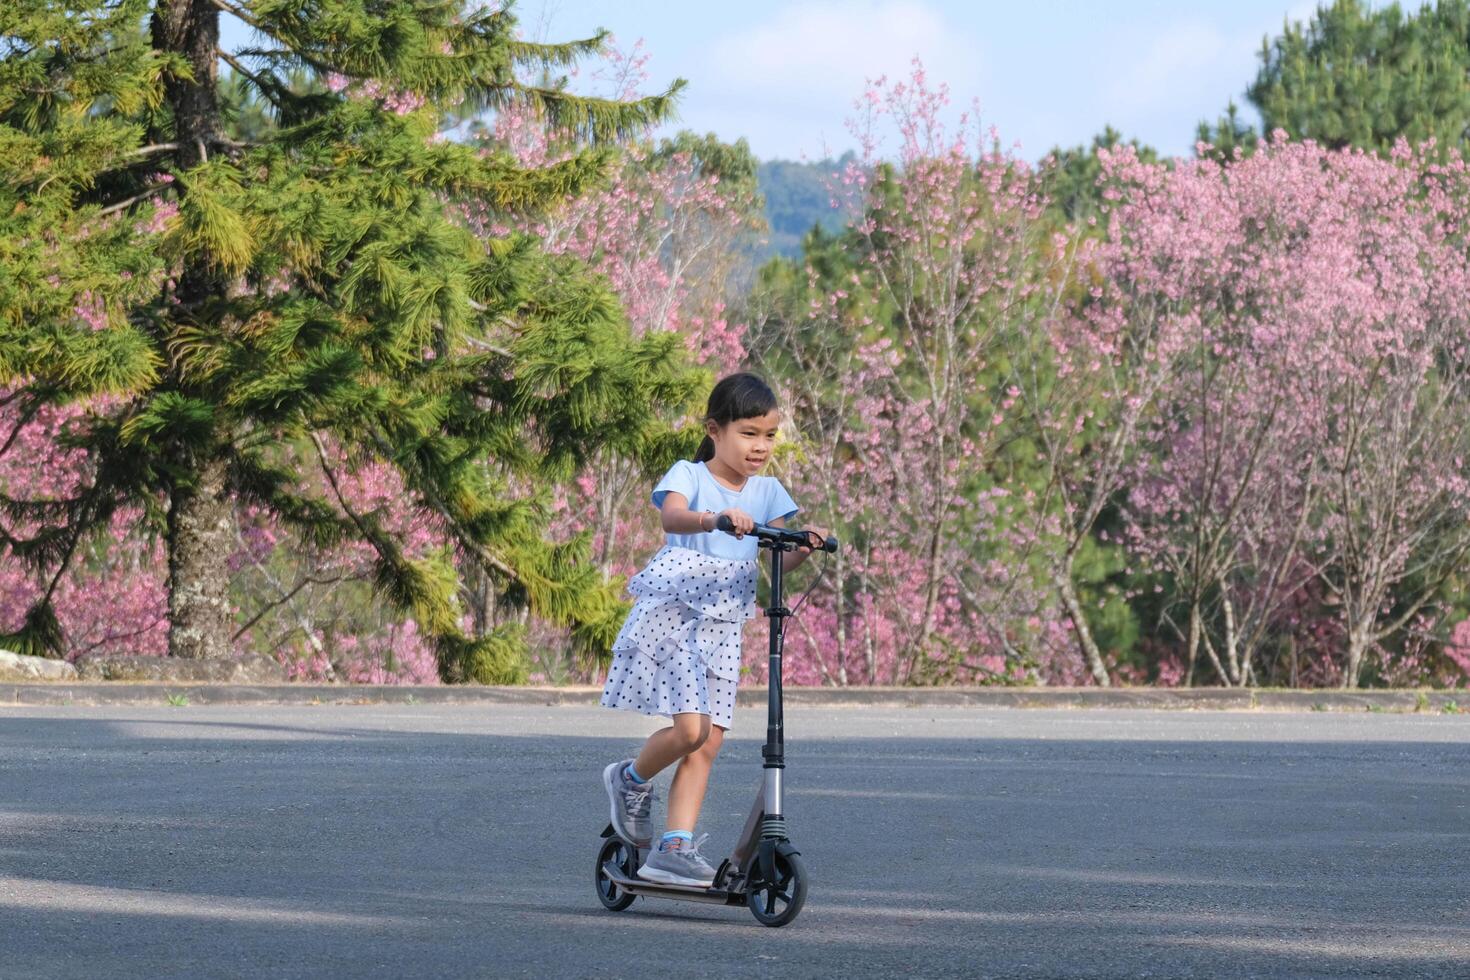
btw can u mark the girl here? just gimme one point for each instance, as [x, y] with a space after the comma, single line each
[678, 654]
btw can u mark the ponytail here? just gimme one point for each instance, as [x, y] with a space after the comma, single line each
[704, 453]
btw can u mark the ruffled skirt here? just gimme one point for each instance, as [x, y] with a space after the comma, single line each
[636, 684]
[679, 650]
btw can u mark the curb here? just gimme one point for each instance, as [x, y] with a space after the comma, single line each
[1166, 699]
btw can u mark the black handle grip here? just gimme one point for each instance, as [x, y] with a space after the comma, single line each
[764, 533]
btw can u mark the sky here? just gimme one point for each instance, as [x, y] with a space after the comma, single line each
[784, 73]
[1046, 73]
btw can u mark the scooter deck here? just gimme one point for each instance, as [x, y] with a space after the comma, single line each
[687, 893]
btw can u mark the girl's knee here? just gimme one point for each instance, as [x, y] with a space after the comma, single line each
[712, 742]
[691, 730]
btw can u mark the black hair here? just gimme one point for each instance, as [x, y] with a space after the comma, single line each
[739, 396]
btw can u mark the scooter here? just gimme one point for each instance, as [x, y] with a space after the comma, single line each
[764, 872]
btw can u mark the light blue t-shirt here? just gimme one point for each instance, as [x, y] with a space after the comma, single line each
[762, 497]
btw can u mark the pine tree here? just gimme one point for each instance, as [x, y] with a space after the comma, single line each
[1356, 76]
[1361, 74]
[1230, 135]
[249, 306]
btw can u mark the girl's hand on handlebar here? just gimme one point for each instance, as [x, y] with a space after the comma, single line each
[815, 536]
[743, 522]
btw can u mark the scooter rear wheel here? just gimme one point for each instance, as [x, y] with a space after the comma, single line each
[621, 855]
[775, 903]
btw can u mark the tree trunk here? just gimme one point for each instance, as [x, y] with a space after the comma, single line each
[199, 518]
[840, 610]
[1090, 652]
[1192, 643]
[477, 593]
[1359, 639]
[1232, 653]
[191, 28]
[1209, 645]
[870, 650]
[200, 540]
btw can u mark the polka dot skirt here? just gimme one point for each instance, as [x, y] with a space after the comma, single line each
[679, 650]
[635, 683]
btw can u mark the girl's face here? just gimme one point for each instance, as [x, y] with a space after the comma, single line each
[744, 445]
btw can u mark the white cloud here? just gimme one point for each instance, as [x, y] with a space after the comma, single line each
[1173, 66]
[811, 60]
[1187, 71]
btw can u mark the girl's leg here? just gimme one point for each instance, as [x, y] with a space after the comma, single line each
[686, 795]
[668, 745]
[673, 859]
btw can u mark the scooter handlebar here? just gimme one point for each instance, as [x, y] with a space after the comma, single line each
[765, 532]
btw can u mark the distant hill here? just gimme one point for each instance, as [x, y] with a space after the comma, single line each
[797, 197]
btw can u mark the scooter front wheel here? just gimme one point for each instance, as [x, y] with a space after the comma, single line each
[620, 854]
[775, 903]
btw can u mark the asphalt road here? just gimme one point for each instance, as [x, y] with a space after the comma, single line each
[449, 841]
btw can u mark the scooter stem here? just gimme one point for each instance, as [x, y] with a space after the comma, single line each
[780, 541]
[774, 751]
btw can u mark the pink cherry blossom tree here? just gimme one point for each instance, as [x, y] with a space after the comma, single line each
[1396, 393]
[108, 593]
[1086, 382]
[891, 370]
[1307, 436]
[1215, 503]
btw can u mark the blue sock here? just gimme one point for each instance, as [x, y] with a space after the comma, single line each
[683, 836]
[632, 774]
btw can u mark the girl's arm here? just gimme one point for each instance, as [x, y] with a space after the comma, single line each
[677, 518]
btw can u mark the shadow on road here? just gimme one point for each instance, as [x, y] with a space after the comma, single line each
[199, 847]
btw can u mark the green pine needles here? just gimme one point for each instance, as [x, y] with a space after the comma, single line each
[256, 283]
